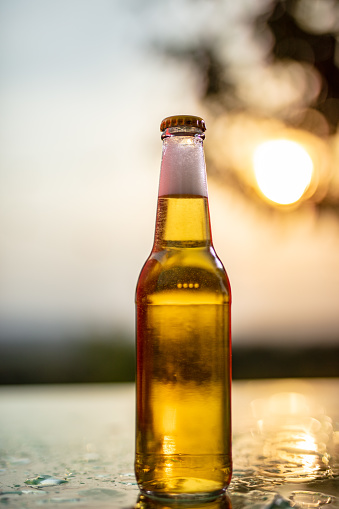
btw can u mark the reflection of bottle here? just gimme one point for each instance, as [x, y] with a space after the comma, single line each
[145, 502]
[183, 429]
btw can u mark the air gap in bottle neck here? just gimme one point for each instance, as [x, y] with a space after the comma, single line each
[183, 170]
[182, 215]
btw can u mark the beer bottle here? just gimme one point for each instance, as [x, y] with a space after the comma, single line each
[144, 502]
[183, 298]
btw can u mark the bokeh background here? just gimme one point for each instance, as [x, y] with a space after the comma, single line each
[84, 85]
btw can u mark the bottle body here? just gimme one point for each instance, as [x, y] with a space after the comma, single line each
[183, 428]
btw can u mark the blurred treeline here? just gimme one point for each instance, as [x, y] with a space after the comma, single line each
[106, 359]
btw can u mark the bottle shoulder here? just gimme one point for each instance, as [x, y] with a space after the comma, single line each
[191, 275]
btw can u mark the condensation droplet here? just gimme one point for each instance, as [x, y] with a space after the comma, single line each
[45, 480]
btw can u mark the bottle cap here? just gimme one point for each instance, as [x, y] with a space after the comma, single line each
[182, 121]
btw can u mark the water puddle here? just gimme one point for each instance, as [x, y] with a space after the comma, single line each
[286, 455]
[18, 461]
[291, 441]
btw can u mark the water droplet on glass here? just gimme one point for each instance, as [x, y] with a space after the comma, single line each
[61, 500]
[91, 456]
[17, 492]
[260, 500]
[45, 480]
[33, 492]
[128, 479]
[128, 476]
[309, 499]
[99, 493]
[19, 461]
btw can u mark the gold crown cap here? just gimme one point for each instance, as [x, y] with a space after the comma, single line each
[181, 121]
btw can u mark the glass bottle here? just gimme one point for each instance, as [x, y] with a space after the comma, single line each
[144, 502]
[183, 299]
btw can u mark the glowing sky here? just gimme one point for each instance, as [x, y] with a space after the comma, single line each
[82, 94]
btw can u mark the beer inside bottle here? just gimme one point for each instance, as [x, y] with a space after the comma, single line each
[183, 381]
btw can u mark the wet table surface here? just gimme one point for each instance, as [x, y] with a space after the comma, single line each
[73, 445]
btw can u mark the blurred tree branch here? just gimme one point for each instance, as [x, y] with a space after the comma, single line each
[289, 33]
[294, 42]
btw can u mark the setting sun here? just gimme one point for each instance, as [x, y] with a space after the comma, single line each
[283, 170]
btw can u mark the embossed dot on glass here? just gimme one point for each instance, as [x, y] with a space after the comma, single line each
[183, 299]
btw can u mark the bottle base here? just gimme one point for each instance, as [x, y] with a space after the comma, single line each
[183, 489]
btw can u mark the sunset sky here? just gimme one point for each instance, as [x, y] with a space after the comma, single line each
[84, 86]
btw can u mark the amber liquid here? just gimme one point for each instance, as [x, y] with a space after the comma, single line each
[183, 441]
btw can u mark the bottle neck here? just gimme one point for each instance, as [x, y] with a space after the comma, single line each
[182, 215]
[183, 169]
